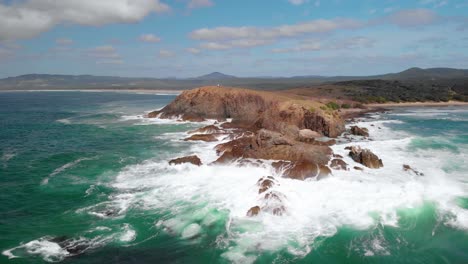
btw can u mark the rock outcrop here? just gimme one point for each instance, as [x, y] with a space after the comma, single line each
[195, 160]
[253, 211]
[211, 129]
[409, 169]
[338, 164]
[253, 109]
[202, 137]
[359, 131]
[365, 157]
[272, 145]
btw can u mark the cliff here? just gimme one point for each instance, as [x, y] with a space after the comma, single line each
[254, 110]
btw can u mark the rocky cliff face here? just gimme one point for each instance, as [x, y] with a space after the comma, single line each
[253, 109]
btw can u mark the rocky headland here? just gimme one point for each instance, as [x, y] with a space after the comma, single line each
[293, 132]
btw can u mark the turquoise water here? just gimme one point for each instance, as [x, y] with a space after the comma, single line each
[85, 179]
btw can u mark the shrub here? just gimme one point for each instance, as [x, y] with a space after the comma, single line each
[333, 105]
[345, 106]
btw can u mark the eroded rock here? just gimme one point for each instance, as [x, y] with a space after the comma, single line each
[211, 129]
[254, 211]
[195, 160]
[359, 131]
[202, 137]
[302, 170]
[409, 169]
[338, 164]
[365, 157]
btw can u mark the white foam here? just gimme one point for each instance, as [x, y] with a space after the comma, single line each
[49, 251]
[195, 198]
[358, 199]
[63, 168]
[128, 234]
[191, 231]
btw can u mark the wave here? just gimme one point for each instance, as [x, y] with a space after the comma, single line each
[196, 201]
[62, 168]
[57, 249]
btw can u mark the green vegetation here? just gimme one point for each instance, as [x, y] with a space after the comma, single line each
[345, 106]
[382, 91]
[333, 105]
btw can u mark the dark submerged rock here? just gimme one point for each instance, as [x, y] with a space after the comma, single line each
[195, 160]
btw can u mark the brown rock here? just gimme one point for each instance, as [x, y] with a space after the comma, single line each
[265, 184]
[308, 136]
[279, 211]
[358, 168]
[192, 117]
[253, 211]
[252, 109]
[195, 160]
[337, 156]
[271, 145]
[338, 164]
[202, 137]
[281, 165]
[153, 114]
[365, 157]
[358, 131]
[302, 170]
[274, 196]
[408, 168]
[211, 129]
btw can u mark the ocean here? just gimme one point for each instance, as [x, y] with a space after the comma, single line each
[84, 178]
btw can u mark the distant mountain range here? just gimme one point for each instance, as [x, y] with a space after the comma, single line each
[69, 82]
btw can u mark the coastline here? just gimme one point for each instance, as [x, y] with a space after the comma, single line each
[139, 91]
[422, 104]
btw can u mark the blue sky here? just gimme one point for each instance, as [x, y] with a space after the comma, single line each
[185, 38]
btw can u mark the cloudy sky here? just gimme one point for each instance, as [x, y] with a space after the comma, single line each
[185, 38]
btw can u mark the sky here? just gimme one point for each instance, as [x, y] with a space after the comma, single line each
[187, 38]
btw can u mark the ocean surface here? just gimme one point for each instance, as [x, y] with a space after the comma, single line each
[84, 178]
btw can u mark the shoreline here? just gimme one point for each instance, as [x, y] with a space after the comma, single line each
[416, 104]
[139, 91]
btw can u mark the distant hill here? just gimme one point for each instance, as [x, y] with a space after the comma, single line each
[447, 76]
[215, 76]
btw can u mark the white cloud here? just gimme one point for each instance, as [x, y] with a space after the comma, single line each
[28, 18]
[434, 3]
[223, 38]
[199, 3]
[149, 38]
[193, 50]
[338, 44]
[315, 26]
[313, 46]
[166, 53]
[412, 18]
[106, 52]
[64, 41]
[115, 62]
[297, 2]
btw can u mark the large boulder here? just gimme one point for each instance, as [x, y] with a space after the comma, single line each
[302, 170]
[365, 157]
[338, 164]
[195, 160]
[254, 211]
[271, 145]
[359, 131]
[202, 137]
